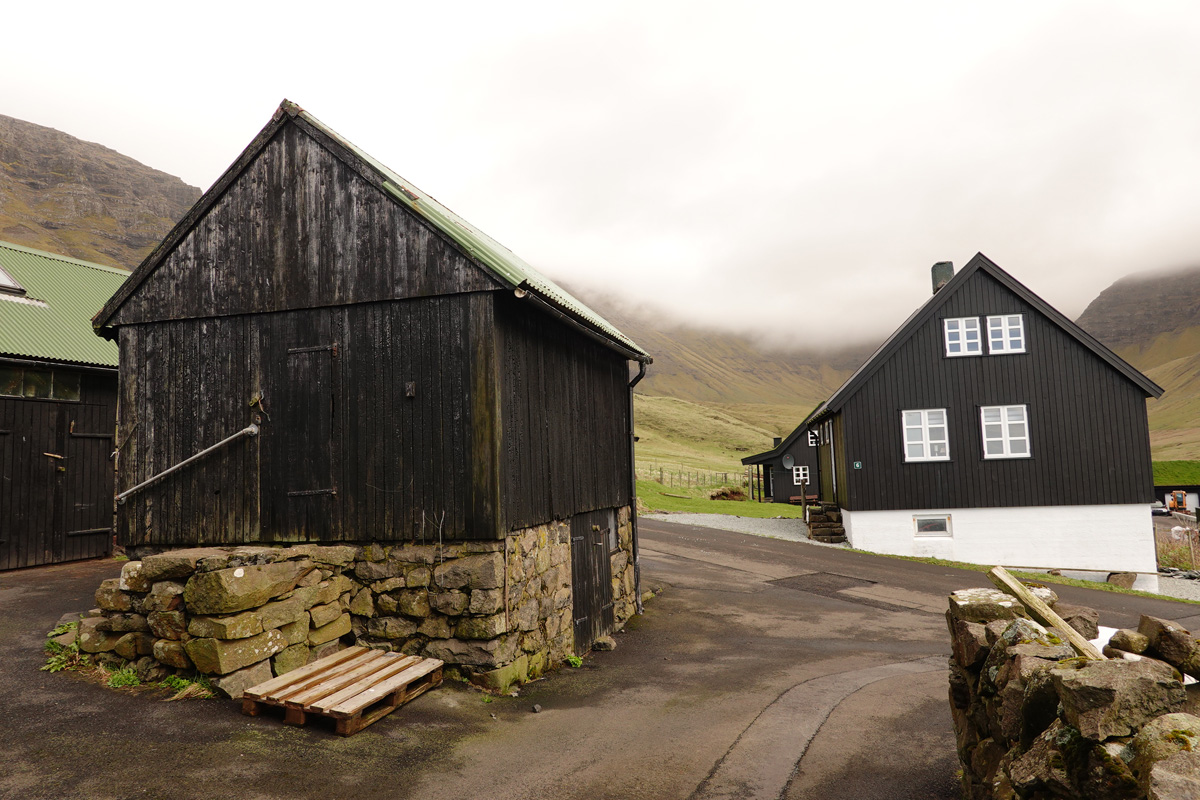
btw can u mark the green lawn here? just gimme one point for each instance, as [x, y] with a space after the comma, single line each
[1183, 473]
[653, 496]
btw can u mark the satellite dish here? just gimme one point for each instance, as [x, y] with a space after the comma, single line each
[789, 461]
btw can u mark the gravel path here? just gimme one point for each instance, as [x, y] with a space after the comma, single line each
[794, 530]
[1182, 588]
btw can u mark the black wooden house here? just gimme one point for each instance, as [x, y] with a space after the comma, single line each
[58, 407]
[789, 471]
[990, 428]
[392, 373]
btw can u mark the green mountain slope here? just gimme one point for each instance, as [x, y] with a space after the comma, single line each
[64, 195]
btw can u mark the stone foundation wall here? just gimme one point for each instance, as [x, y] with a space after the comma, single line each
[1033, 720]
[497, 613]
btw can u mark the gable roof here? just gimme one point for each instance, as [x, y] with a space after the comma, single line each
[927, 310]
[50, 320]
[785, 443]
[487, 253]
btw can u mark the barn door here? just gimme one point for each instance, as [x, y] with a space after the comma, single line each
[302, 434]
[592, 538]
[87, 483]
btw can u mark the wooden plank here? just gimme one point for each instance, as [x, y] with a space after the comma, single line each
[399, 664]
[364, 698]
[1042, 612]
[337, 679]
[296, 675]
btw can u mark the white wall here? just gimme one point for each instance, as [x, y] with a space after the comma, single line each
[1118, 538]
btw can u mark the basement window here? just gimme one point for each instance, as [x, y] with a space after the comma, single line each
[1006, 334]
[925, 437]
[39, 383]
[932, 525]
[962, 337]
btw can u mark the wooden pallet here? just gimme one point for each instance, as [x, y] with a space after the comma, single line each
[354, 687]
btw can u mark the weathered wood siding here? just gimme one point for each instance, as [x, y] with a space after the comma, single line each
[565, 415]
[345, 454]
[57, 509]
[1087, 423]
[300, 228]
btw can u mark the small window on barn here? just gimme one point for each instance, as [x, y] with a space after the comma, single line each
[9, 284]
[1005, 431]
[932, 525]
[813, 439]
[799, 475]
[39, 383]
[962, 337]
[11, 381]
[925, 436]
[1006, 334]
[65, 386]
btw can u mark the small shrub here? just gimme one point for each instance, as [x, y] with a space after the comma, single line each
[125, 676]
[575, 661]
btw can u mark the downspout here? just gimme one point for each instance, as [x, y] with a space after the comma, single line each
[637, 558]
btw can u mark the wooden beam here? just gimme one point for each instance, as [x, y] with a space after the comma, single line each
[1042, 613]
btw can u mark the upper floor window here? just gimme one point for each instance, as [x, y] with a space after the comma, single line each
[41, 383]
[814, 439]
[1005, 431]
[925, 437]
[799, 475]
[962, 337]
[1006, 333]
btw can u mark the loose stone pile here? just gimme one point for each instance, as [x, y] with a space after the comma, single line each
[497, 612]
[1033, 720]
[826, 525]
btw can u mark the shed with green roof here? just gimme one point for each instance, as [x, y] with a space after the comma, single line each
[408, 378]
[58, 391]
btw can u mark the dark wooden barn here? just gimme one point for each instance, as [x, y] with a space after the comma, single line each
[58, 404]
[990, 428]
[408, 378]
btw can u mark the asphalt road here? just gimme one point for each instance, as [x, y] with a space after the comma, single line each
[761, 669]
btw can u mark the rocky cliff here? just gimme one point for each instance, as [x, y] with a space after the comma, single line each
[65, 195]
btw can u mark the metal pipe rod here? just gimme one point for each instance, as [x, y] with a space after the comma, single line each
[249, 430]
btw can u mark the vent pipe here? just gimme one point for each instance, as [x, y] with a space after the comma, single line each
[778, 441]
[943, 271]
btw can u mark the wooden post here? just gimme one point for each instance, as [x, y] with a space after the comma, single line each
[1043, 613]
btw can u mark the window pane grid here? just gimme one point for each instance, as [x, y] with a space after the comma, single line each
[1005, 431]
[799, 475]
[1006, 334]
[925, 435]
[963, 337]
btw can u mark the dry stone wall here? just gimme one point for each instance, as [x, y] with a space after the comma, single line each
[497, 613]
[1033, 720]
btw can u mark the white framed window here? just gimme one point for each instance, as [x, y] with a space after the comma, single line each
[1005, 431]
[799, 475]
[1006, 334]
[9, 284]
[814, 439]
[932, 525]
[962, 336]
[925, 435]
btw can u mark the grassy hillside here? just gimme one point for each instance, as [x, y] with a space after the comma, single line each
[1183, 473]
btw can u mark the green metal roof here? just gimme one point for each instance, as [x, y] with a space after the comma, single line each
[52, 320]
[506, 264]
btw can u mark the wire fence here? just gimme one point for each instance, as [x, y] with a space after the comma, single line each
[680, 476]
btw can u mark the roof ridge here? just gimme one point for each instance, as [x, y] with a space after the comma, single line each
[79, 262]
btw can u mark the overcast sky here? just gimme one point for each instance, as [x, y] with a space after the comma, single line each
[790, 168]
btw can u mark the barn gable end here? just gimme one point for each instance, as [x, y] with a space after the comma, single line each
[272, 239]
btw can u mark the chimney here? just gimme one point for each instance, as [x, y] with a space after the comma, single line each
[778, 441]
[943, 271]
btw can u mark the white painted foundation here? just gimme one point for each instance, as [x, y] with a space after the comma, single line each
[1092, 539]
